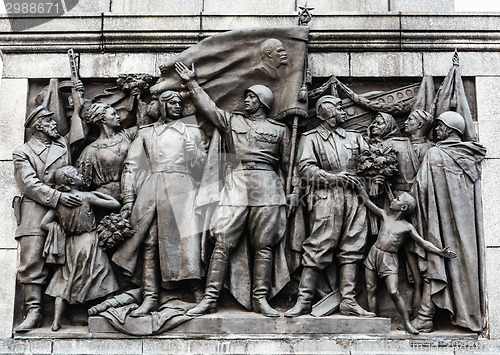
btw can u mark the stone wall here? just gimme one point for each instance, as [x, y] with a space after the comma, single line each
[361, 45]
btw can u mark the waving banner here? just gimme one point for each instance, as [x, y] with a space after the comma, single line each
[228, 63]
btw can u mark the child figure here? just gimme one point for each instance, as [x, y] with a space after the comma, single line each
[382, 260]
[86, 273]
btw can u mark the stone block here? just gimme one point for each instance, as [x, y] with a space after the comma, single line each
[110, 65]
[493, 290]
[243, 7]
[223, 346]
[167, 7]
[489, 131]
[319, 346]
[128, 23]
[165, 346]
[32, 346]
[48, 65]
[336, 6]
[97, 346]
[8, 190]
[356, 22]
[488, 98]
[229, 321]
[327, 64]
[226, 23]
[13, 96]
[471, 63]
[386, 64]
[91, 6]
[448, 22]
[65, 23]
[422, 6]
[7, 290]
[491, 201]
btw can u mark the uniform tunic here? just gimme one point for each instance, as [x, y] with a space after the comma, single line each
[338, 220]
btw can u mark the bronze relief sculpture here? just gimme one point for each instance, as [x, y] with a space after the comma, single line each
[216, 162]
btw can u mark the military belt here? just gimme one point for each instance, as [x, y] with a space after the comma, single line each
[170, 168]
[254, 166]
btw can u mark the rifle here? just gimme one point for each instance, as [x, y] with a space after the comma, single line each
[76, 132]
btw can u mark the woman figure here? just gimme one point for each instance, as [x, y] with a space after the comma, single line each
[101, 162]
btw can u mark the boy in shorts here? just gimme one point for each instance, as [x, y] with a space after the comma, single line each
[382, 259]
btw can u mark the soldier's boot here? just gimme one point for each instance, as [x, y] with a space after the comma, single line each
[150, 283]
[424, 321]
[215, 282]
[262, 271]
[307, 287]
[349, 305]
[33, 303]
[196, 288]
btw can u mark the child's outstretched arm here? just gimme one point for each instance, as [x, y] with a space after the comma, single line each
[368, 203]
[102, 200]
[445, 252]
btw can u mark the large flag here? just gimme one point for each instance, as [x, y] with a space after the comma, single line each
[451, 97]
[228, 63]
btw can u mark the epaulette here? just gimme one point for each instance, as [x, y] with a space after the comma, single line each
[276, 122]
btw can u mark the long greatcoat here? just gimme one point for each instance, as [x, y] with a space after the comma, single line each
[157, 172]
[449, 213]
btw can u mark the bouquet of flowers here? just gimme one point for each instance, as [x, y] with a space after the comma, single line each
[377, 163]
[113, 230]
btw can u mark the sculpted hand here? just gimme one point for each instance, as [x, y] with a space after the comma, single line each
[447, 253]
[191, 149]
[347, 179]
[184, 72]
[79, 86]
[70, 200]
[292, 201]
[126, 210]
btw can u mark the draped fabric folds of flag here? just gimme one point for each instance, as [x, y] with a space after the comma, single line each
[228, 63]
[451, 97]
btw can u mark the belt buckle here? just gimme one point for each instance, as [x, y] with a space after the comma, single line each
[251, 165]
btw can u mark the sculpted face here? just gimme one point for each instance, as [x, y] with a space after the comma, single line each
[174, 108]
[378, 126]
[111, 118]
[412, 124]
[397, 204]
[252, 102]
[442, 131]
[333, 114]
[279, 55]
[48, 126]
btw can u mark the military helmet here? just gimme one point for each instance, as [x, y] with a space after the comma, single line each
[453, 120]
[264, 94]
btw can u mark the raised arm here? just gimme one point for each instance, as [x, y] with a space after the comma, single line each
[445, 252]
[368, 203]
[201, 100]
